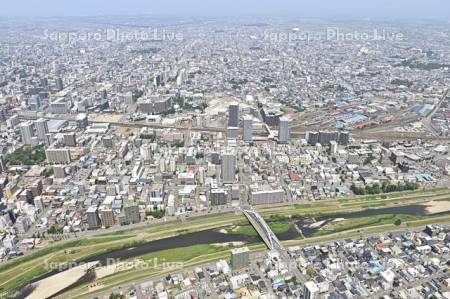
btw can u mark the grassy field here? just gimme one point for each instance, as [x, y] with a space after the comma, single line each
[357, 223]
[21, 270]
[277, 224]
[183, 254]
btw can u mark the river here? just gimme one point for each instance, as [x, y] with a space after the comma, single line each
[214, 236]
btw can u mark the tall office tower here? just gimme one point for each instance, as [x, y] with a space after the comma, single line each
[248, 128]
[344, 138]
[131, 212]
[312, 138]
[233, 115]
[311, 290]
[240, 258]
[283, 130]
[27, 132]
[59, 84]
[92, 217]
[41, 128]
[228, 166]
[325, 137]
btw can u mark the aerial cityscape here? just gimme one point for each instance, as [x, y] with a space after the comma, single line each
[224, 156]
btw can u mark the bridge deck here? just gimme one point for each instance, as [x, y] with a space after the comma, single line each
[261, 227]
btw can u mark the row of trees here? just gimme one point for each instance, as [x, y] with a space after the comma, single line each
[383, 188]
[156, 213]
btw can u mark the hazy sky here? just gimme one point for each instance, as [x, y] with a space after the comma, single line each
[304, 8]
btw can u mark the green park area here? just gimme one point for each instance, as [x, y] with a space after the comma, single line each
[277, 223]
[280, 218]
[27, 155]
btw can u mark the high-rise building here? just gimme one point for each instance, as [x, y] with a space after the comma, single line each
[240, 258]
[271, 117]
[311, 290]
[41, 128]
[333, 147]
[34, 103]
[59, 172]
[228, 166]
[232, 132]
[235, 192]
[312, 138]
[233, 115]
[27, 132]
[146, 152]
[2, 164]
[92, 217]
[266, 197]
[13, 121]
[48, 139]
[111, 190]
[23, 224]
[107, 142]
[325, 137]
[215, 158]
[107, 217]
[2, 114]
[59, 84]
[344, 138]
[218, 197]
[248, 128]
[283, 130]
[131, 212]
[82, 121]
[58, 155]
[70, 139]
[60, 106]
[36, 188]
[38, 203]
[44, 82]
[155, 105]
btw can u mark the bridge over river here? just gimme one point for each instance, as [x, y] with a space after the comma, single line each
[260, 225]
